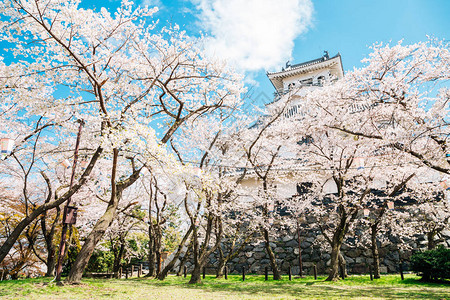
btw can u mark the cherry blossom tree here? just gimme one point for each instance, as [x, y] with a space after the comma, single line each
[263, 146]
[207, 149]
[120, 75]
[390, 113]
[399, 99]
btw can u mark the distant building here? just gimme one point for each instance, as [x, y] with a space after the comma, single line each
[308, 74]
[295, 80]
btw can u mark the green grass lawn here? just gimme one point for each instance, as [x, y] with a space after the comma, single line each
[254, 287]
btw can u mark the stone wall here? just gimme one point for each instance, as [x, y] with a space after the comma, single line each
[254, 257]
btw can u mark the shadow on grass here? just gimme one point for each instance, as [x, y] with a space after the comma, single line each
[354, 287]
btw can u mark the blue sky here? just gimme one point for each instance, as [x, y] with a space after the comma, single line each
[261, 35]
[345, 26]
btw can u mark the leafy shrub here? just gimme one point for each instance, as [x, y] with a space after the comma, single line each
[432, 264]
[100, 261]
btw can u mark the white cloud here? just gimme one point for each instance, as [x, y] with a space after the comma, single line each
[152, 3]
[254, 34]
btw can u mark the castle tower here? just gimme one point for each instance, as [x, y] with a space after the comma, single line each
[294, 81]
[310, 74]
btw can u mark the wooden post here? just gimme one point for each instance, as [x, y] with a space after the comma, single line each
[300, 264]
[290, 273]
[341, 268]
[243, 273]
[140, 270]
[120, 273]
[132, 270]
[126, 273]
[401, 271]
[65, 224]
[185, 271]
[315, 272]
[370, 272]
[226, 272]
[266, 273]
[204, 272]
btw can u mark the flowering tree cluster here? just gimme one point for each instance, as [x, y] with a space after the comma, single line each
[118, 74]
[164, 141]
[379, 124]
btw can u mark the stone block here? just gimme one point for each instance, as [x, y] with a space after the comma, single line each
[256, 268]
[295, 270]
[359, 269]
[307, 250]
[392, 268]
[288, 250]
[259, 255]
[315, 256]
[292, 243]
[393, 256]
[310, 239]
[306, 257]
[305, 244]
[326, 256]
[353, 253]
[308, 264]
[286, 238]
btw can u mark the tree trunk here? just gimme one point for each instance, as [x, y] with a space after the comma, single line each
[183, 262]
[151, 252]
[300, 263]
[51, 262]
[220, 268]
[49, 235]
[76, 272]
[169, 266]
[343, 264]
[431, 241]
[158, 262]
[345, 219]
[12, 238]
[221, 264]
[118, 254]
[375, 254]
[334, 267]
[196, 274]
[201, 254]
[272, 259]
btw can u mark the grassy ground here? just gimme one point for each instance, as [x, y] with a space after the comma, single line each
[355, 287]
